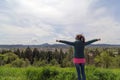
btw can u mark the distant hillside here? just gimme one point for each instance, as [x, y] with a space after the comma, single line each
[35, 46]
[54, 45]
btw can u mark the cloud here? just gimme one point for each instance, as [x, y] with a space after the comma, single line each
[41, 21]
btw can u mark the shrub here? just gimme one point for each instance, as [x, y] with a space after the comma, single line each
[54, 62]
[40, 63]
[41, 74]
[20, 63]
[105, 75]
[7, 58]
[56, 73]
[93, 73]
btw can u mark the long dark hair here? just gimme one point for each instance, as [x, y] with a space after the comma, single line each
[80, 37]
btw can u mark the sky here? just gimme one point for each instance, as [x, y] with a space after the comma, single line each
[45, 21]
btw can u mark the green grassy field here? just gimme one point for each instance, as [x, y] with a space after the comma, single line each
[56, 73]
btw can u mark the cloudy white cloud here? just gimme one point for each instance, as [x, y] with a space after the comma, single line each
[44, 21]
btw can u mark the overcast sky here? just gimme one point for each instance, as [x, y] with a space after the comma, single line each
[44, 21]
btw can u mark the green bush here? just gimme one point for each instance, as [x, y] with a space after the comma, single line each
[104, 75]
[56, 73]
[8, 73]
[7, 58]
[49, 73]
[40, 63]
[20, 63]
[41, 74]
[100, 74]
[54, 62]
[33, 74]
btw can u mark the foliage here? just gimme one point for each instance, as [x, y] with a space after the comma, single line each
[29, 54]
[40, 63]
[7, 58]
[56, 73]
[20, 63]
[99, 57]
[54, 62]
[104, 59]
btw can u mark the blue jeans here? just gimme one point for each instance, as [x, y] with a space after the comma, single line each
[80, 71]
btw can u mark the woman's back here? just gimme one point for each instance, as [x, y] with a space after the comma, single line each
[79, 49]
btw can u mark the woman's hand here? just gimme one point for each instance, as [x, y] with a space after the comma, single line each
[57, 40]
[98, 39]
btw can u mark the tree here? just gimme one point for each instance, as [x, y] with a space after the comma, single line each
[40, 63]
[17, 52]
[104, 60]
[54, 62]
[67, 61]
[70, 54]
[20, 63]
[49, 56]
[23, 55]
[116, 62]
[29, 54]
[119, 51]
[36, 53]
[1, 59]
[56, 55]
[61, 57]
[7, 58]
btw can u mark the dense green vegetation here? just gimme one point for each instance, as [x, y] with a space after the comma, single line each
[35, 64]
[99, 57]
[56, 73]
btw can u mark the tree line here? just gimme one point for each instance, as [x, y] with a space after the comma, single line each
[35, 57]
[99, 57]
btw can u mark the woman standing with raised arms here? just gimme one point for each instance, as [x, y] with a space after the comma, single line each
[79, 57]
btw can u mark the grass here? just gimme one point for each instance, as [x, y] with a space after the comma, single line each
[7, 73]
[56, 73]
